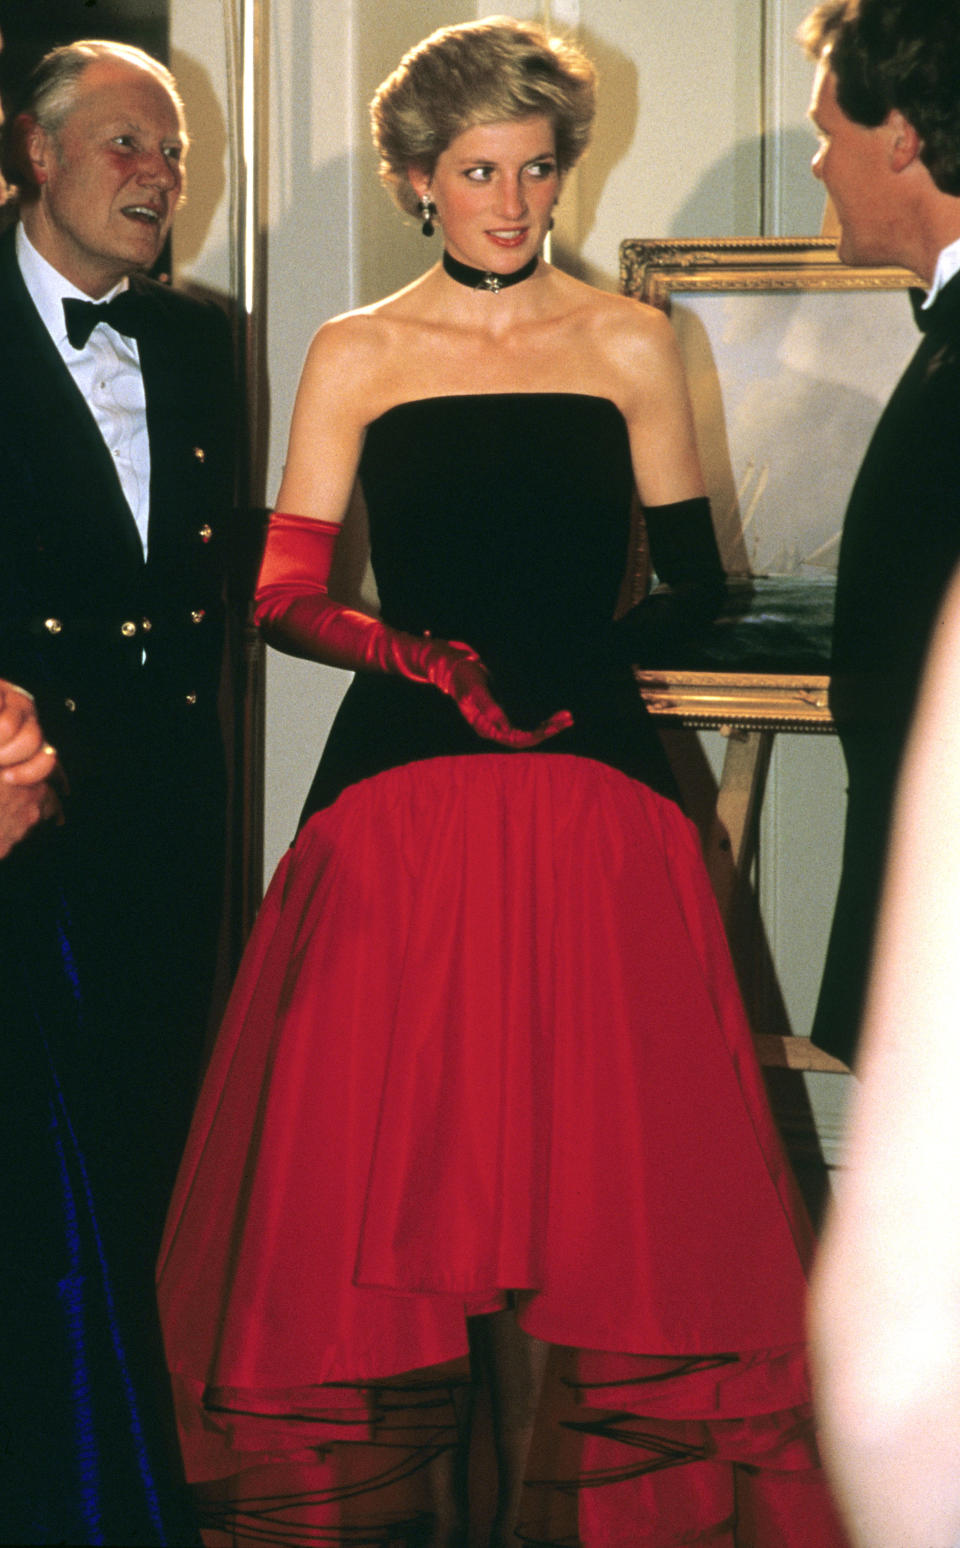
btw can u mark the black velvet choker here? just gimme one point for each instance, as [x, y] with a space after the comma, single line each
[485, 279]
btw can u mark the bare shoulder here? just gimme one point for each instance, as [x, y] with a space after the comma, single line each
[634, 336]
[627, 349]
[340, 363]
[346, 343]
[357, 355]
[641, 355]
[631, 341]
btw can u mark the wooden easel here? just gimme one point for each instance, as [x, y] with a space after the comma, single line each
[748, 710]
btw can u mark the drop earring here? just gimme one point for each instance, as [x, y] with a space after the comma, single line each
[427, 211]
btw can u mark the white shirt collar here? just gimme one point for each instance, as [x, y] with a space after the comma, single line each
[948, 264]
[48, 288]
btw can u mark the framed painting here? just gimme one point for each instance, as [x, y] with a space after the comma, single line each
[791, 356]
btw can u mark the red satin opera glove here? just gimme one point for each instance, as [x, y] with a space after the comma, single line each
[295, 614]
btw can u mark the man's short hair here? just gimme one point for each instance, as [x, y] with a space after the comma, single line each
[51, 88]
[902, 54]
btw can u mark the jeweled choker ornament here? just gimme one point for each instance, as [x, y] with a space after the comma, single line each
[485, 279]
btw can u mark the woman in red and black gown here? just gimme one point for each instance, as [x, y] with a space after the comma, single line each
[484, 1107]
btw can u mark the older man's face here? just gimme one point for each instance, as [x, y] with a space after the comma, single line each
[110, 179]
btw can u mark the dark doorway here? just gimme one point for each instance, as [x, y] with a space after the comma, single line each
[31, 27]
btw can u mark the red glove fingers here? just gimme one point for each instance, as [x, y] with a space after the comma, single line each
[295, 613]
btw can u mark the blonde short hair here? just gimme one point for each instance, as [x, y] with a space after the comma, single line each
[482, 72]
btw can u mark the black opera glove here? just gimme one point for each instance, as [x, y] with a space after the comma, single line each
[690, 589]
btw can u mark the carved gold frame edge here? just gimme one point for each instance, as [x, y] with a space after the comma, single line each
[745, 701]
[650, 270]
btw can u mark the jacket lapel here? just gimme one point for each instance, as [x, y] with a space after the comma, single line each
[169, 364]
[63, 452]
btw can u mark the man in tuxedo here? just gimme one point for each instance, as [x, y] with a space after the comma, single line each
[886, 106]
[116, 449]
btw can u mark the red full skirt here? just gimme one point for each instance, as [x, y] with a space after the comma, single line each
[486, 1038]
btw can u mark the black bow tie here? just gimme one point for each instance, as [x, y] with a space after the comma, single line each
[125, 313]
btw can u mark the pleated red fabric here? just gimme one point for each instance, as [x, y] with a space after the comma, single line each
[486, 1038]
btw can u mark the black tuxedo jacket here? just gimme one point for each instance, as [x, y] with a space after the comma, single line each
[108, 923]
[124, 658]
[78, 604]
[900, 546]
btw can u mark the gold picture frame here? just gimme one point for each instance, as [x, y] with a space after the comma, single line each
[791, 356]
[654, 270]
[748, 701]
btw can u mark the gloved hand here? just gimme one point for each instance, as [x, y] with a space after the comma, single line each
[683, 550]
[295, 614]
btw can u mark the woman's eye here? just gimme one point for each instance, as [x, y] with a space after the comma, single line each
[542, 168]
[479, 174]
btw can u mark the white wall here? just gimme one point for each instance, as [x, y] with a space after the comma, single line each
[198, 58]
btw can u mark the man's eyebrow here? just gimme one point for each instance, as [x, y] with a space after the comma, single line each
[131, 126]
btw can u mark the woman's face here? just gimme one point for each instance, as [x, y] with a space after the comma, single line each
[494, 187]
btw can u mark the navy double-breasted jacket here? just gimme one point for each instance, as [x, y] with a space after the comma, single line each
[79, 607]
[110, 920]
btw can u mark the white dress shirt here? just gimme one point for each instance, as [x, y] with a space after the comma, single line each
[107, 372]
[948, 264]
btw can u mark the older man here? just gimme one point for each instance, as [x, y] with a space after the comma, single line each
[116, 444]
[886, 105]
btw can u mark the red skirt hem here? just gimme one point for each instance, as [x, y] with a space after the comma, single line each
[487, 1037]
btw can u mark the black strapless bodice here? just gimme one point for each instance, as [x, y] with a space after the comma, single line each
[503, 521]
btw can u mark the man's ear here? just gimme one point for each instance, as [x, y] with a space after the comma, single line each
[905, 143]
[28, 152]
[34, 150]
